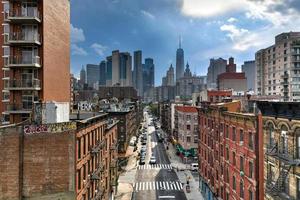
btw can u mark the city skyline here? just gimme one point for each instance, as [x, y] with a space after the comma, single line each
[231, 30]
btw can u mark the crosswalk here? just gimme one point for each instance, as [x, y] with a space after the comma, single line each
[158, 185]
[155, 166]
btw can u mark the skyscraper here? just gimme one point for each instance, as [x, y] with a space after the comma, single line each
[170, 76]
[82, 76]
[179, 62]
[249, 69]
[216, 67]
[35, 64]
[148, 74]
[138, 71]
[118, 69]
[102, 73]
[92, 75]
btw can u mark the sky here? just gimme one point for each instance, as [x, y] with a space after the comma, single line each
[208, 28]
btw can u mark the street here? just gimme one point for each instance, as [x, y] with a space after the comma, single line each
[156, 181]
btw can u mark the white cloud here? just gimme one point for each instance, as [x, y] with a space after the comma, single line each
[210, 8]
[76, 50]
[77, 35]
[98, 48]
[232, 20]
[147, 14]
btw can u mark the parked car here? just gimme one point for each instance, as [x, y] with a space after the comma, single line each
[143, 147]
[142, 162]
[194, 166]
[152, 160]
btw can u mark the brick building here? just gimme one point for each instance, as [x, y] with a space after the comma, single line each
[186, 122]
[230, 152]
[36, 57]
[96, 158]
[281, 129]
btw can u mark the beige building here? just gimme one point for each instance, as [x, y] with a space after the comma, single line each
[278, 67]
[281, 129]
[186, 126]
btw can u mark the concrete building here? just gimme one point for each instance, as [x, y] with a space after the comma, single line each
[249, 69]
[231, 79]
[211, 96]
[92, 75]
[33, 52]
[118, 69]
[186, 128]
[82, 79]
[281, 130]
[165, 93]
[102, 73]
[278, 67]
[189, 84]
[138, 72]
[216, 67]
[179, 62]
[170, 76]
[230, 152]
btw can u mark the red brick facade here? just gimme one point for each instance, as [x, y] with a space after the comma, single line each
[229, 157]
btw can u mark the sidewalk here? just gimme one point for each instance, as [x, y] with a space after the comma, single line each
[183, 174]
[127, 178]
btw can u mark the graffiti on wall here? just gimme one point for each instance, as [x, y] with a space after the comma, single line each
[50, 128]
[85, 106]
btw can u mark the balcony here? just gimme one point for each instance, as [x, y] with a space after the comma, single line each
[19, 38]
[95, 174]
[22, 61]
[19, 108]
[96, 149]
[19, 17]
[26, 84]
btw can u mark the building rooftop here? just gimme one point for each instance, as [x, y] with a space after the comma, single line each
[80, 116]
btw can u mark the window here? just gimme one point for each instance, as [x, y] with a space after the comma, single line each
[227, 153]
[188, 117]
[250, 169]
[188, 139]
[298, 188]
[188, 127]
[84, 144]
[233, 133]
[79, 148]
[79, 179]
[227, 131]
[250, 140]
[241, 135]
[298, 145]
[233, 183]
[233, 158]
[241, 163]
[227, 175]
[241, 189]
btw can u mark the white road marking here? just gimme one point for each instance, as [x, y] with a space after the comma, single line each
[167, 184]
[166, 197]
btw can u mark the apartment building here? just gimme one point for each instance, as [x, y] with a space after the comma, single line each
[281, 130]
[278, 67]
[230, 152]
[96, 157]
[186, 127]
[35, 64]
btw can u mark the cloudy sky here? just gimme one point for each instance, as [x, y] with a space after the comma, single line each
[209, 28]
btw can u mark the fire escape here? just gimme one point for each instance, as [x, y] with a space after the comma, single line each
[287, 159]
[96, 174]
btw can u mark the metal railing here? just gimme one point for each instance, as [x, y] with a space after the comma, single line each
[23, 37]
[19, 107]
[25, 83]
[22, 60]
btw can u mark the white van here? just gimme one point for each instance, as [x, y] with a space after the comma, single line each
[194, 166]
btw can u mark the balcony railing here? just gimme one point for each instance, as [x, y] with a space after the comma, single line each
[22, 61]
[18, 16]
[22, 38]
[19, 108]
[114, 146]
[25, 84]
[99, 145]
[95, 174]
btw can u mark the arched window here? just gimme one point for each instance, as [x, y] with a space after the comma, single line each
[271, 135]
[242, 189]
[284, 140]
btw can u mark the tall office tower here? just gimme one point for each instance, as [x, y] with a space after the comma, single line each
[118, 69]
[102, 73]
[250, 71]
[278, 67]
[36, 57]
[82, 80]
[138, 72]
[179, 62]
[148, 74]
[92, 75]
[170, 76]
[216, 67]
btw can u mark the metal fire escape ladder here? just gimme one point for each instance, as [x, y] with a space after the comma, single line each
[279, 186]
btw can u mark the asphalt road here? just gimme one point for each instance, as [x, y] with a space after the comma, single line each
[158, 181]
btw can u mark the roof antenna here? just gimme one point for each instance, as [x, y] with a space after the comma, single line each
[179, 41]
